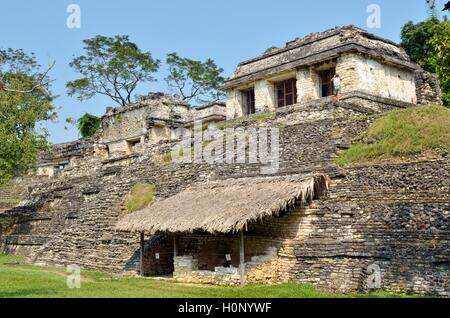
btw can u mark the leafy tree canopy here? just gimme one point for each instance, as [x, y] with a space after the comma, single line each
[21, 111]
[427, 44]
[111, 66]
[191, 79]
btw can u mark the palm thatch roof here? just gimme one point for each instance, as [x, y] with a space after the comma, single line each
[225, 206]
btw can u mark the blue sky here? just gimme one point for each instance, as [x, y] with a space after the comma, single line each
[227, 31]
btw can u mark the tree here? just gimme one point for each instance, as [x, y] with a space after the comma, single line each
[447, 6]
[111, 66]
[416, 40]
[23, 105]
[426, 43]
[193, 79]
[19, 61]
[441, 61]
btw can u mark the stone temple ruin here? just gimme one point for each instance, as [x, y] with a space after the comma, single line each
[310, 222]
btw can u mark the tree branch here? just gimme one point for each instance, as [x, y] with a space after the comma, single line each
[41, 83]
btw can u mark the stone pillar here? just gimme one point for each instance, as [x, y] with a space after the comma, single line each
[307, 85]
[234, 104]
[347, 69]
[264, 97]
[428, 88]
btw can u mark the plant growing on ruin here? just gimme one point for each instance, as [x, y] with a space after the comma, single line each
[23, 106]
[191, 79]
[141, 195]
[270, 49]
[88, 125]
[113, 67]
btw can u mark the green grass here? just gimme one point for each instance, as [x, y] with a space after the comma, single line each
[6, 219]
[141, 195]
[9, 200]
[420, 131]
[168, 156]
[259, 117]
[21, 280]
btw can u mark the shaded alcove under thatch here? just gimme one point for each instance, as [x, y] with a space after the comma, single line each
[224, 206]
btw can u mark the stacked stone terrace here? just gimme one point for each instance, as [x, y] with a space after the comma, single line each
[394, 217]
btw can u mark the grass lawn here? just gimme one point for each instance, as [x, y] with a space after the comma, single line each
[419, 131]
[21, 280]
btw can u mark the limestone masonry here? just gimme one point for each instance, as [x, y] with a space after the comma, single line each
[388, 221]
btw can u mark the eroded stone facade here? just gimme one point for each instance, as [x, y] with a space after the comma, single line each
[366, 64]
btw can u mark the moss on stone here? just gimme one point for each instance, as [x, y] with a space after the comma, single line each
[140, 196]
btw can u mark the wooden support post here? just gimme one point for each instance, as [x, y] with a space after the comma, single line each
[141, 257]
[242, 259]
[175, 246]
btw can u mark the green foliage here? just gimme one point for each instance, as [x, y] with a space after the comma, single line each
[88, 124]
[441, 61]
[21, 138]
[6, 220]
[422, 130]
[167, 157]
[22, 280]
[141, 195]
[111, 66]
[270, 49]
[195, 79]
[427, 44]
[416, 40]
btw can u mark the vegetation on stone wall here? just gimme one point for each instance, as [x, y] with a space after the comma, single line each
[420, 131]
[23, 107]
[428, 44]
[88, 125]
[140, 196]
[270, 49]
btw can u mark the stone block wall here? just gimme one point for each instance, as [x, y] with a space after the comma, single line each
[428, 88]
[383, 80]
[394, 216]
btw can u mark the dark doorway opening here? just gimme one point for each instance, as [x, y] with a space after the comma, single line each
[248, 98]
[326, 85]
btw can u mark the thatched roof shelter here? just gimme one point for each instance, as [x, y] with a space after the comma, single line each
[225, 206]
